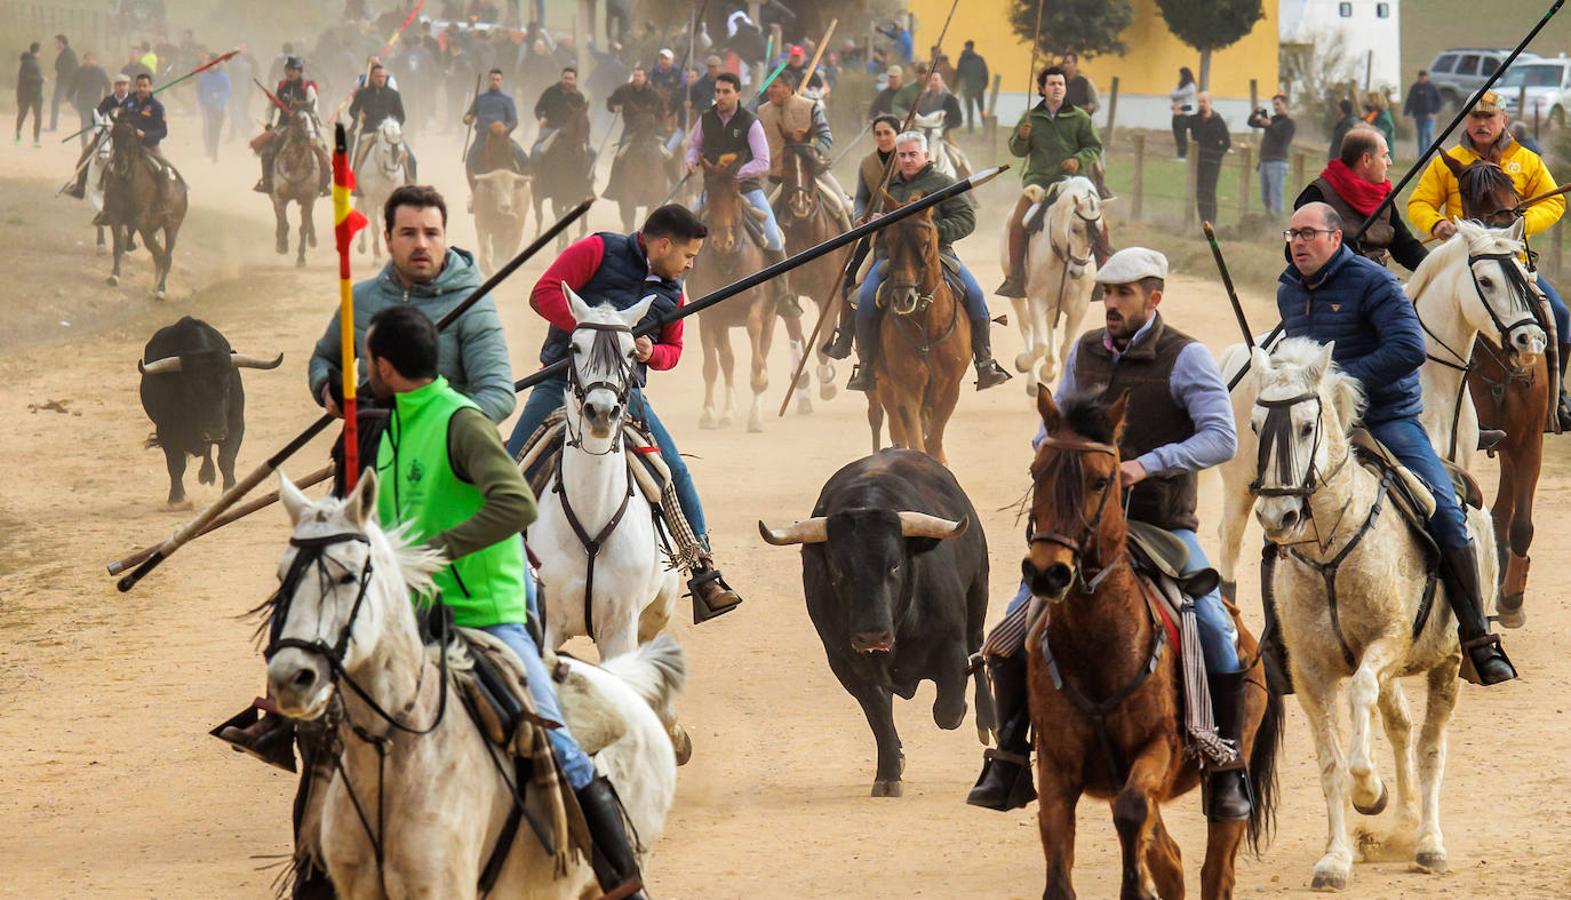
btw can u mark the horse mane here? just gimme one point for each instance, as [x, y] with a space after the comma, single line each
[1480, 183]
[1085, 412]
[1461, 244]
[1298, 360]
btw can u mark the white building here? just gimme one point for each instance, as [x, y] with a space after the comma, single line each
[1370, 31]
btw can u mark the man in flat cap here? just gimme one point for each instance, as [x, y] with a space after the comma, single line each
[1179, 421]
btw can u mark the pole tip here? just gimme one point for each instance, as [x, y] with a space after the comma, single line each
[983, 177]
[1206, 227]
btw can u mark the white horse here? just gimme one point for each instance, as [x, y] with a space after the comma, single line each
[1060, 271]
[1325, 509]
[430, 790]
[94, 187]
[634, 592]
[947, 158]
[1467, 285]
[381, 172]
[501, 205]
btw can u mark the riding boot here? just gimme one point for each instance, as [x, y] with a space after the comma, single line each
[786, 302]
[1099, 178]
[1005, 782]
[1564, 406]
[839, 346]
[988, 373]
[1227, 786]
[865, 376]
[614, 859]
[712, 597]
[261, 732]
[1014, 285]
[1484, 659]
[264, 185]
[1273, 653]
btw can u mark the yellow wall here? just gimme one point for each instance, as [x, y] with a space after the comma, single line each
[1149, 66]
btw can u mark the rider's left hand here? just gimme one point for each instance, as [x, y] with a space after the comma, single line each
[643, 348]
[1131, 473]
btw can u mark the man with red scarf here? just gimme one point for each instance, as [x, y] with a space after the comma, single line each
[1354, 184]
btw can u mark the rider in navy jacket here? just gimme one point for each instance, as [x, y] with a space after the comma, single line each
[1329, 293]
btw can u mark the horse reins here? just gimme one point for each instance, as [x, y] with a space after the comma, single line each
[1093, 527]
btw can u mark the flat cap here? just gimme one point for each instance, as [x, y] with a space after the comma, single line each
[1132, 264]
[896, 71]
[665, 53]
[712, 61]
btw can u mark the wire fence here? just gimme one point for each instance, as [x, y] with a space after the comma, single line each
[89, 28]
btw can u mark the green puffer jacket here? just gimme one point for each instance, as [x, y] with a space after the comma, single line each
[472, 355]
[1054, 139]
[954, 217]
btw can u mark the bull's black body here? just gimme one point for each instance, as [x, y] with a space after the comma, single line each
[892, 610]
[201, 405]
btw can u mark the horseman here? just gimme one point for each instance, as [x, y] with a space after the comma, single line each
[108, 108]
[1354, 184]
[556, 106]
[623, 269]
[728, 129]
[1180, 424]
[492, 112]
[295, 94]
[373, 104]
[1057, 141]
[1329, 293]
[953, 219]
[937, 97]
[869, 179]
[641, 106]
[790, 118]
[666, 78]
[146, 115]
[1437, 202]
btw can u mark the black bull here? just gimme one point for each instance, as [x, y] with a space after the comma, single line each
[191, 390]
[894, 568]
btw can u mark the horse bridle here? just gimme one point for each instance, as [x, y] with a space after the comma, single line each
[1079, 548]
[807, 193]
[1276, 434]
[923, 301]
[604, 331]
[1066, 253]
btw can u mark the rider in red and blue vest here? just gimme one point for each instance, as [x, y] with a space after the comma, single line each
[623, 269]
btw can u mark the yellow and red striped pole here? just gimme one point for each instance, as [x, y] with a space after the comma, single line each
[386, 49]
[346, 222]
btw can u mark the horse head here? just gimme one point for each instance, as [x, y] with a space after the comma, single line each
[1301, 418]
[1077, 522]
[724, 206]
[915, 270]
[1487, 192]
[1488, 285]
[600, 372]
[1075, 222]
[342, 604]
[391, 133]
[798, 176]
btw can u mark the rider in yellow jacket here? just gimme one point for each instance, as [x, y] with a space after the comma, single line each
[1436, 203]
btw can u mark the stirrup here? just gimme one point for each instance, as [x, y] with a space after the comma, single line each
[990, 374]
[275, 746]
[1470, 671]
[709, 584]
[860, 382]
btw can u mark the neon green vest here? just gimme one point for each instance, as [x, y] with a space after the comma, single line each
[419, 487]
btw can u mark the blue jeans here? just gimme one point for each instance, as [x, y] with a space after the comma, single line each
[548, 396]
[1406, 439]
[1558, 307]
[774, 240]
[1218, 637]
[576, 764]
[1273, 175]
[1425, 127]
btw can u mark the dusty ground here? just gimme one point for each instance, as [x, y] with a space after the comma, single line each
[112, 786]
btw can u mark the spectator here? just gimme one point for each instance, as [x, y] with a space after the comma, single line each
[1423, 102]
[1343, 125]
[65, 77]
[942, 65]
[29, 92]
[703, 91]
[212, 95]
[906, 98]
[884, 103]
[1081, 93]
[242, 68]
[148, 58]
[973, 78]
[937, 97]
[1378, 115]
[89, 85]
[900, 38]
[1519, 133]
[1209, 134]
[1274, 146]
[134, 66]
[1183, 98]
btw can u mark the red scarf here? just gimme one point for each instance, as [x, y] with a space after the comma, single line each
[1362, 195]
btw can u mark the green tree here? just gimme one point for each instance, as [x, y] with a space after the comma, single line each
[1086, 27]
[1208, 25]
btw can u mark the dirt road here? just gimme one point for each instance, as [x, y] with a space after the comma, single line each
[111, 786]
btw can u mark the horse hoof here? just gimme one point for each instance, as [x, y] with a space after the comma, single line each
[300, 263]
[804, 406]
[1378, 807]
[1022, 362]
[707, 422]
[158, 294]
[179, 505]
[682, 743]
[1329, 882]
[827, 391]
[886, 789]
[1511, 613]
[1431, 862]
[282, 249]
[102, 249]
[725, 422]
[112, 281]
[754, 426]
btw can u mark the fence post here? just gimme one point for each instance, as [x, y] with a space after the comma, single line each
[1137, 203]
[1112, 114]
[1298, 167]
[1191, 185]
[1254, 95]
[1245, 154]
[990, 117]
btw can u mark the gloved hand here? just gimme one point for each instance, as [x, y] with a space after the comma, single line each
[1070, 165]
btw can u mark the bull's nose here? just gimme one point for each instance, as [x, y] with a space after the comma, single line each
[872, 641]
[1049, 582]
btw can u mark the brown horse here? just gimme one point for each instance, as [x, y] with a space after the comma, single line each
[1105, 704]
[564, 174]
[140, 195]
[641, 172]
[297, 179]
[1509, 397]
[924, 338]
[807, 220]
[731, 253]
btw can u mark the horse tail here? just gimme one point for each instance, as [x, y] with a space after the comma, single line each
[657, 672]
[1263, 782]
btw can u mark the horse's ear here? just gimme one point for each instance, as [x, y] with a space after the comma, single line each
[708, 167]
[1115, 415]
[295, 501]
[361, 502]
[1322, 365]
[635, 313]
[576, 304]
[1518, 229]
[1451, 163]
[1046, 408]
[889, 200]
[1259, 361]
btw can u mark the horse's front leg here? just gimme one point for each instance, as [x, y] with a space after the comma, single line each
[1519, 469]
[119, 240]
[706, 339]
[1398, 721]
[1443, 688]
[1057, 796]
[281, 227]
[1369, 792]
[1134, 816]
[759, 330]
[1334, 870]
[1023, 320]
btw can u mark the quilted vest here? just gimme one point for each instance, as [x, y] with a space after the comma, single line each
[721, 138]
[622, 280]
[1376, 242]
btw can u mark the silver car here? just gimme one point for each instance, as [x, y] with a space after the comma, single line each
[1459, 73]
[1544, 84]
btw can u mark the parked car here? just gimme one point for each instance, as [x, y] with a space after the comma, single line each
[1458, 73]
[1546, 84]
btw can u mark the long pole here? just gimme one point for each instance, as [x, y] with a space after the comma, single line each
[1036, 39]
[875, 204]
[169, 84]
[386, 48]
[345, 223]
[1227, 282]
[1423, 161]
[469, 130]
[850, 145]
[230, 497]
[791, 262]
[817, 55]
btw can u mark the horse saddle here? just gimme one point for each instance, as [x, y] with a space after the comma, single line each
[957, 286]
[1409, 495]
[1158, 553]
[538, 459]
[496, 688]
[1035, 218]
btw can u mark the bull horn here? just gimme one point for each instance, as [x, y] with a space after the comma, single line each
[810, 531]
[241, 361]
[915, 524]
[166, 366]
